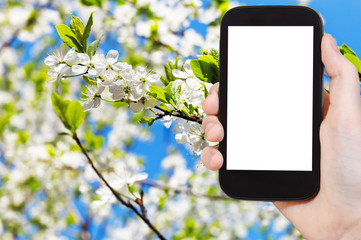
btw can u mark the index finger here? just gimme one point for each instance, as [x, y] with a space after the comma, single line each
[211, 103]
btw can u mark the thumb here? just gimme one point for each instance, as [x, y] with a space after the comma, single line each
[344, 85]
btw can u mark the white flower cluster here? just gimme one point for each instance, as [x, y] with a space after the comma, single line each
[121, 180]
[132, 86]
[192, 92]
[123, 83]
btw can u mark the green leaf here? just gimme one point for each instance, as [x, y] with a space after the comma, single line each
[77, 27]
[173, 90]
[154, 31]
[136, 117]
[33, 183]
[71, 113]
[191, 108]
[75, 115]
[205, 90]
[23, 137]
[97, 3]
[175, 65]
[60, 107]
[158, 93]
[168, 67]
[87, 29]
[196, 68]
[78, 46]
[92, 141]
[71, 219]
[354, 59]
[344, 49]
[68, 37]
[162, 201]
[148, 120]
[93, 47]
[164, 106]
[89, 80]
[185, 110]
[213, 52]
[164, 80]
[206, 68]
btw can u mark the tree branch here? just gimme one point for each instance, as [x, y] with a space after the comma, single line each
[165, 112]
[185, 191]
[85, 229]
[179, 114]
[117, 195]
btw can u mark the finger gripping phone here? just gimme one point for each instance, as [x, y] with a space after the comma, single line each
[271, 101]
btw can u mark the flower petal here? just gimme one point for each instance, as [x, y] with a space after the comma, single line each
[97, 102]
[181, 138]
[71, 57]
[121, 66]
[109, 74]
[150, 102]
[59, 67]
[112, 56]
[87, 106]
[141, 71]
[187, 67]
[180, 74]
[136, 178]
[79, 69]
[136, 107]
[99, 61]
[51, 61]
[62, 50]
[95, 71]
[135, 92]
[83, 58]
[117, 92]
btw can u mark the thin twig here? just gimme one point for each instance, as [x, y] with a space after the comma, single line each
[116, 194]
[179, 114]
[85, 229]
[185, 191]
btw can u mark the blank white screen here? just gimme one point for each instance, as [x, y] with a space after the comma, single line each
[270, 84]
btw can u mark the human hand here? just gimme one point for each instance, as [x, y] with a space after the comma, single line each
[335, 213]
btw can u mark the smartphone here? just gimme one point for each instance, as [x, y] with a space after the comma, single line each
[271, 102]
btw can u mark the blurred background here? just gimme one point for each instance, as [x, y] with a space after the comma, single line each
[47, 189]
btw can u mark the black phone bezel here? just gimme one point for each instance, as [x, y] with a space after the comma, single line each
[272, 185]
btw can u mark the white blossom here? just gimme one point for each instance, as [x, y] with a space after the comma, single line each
[127, 85]
[186, 73]
[60, 63]
[147, 78]
[120, 180]
[111, 66]
[143, 103]
[168, 120]
[63, 57]
[192, 134]
[92, 97]
[94, 66]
